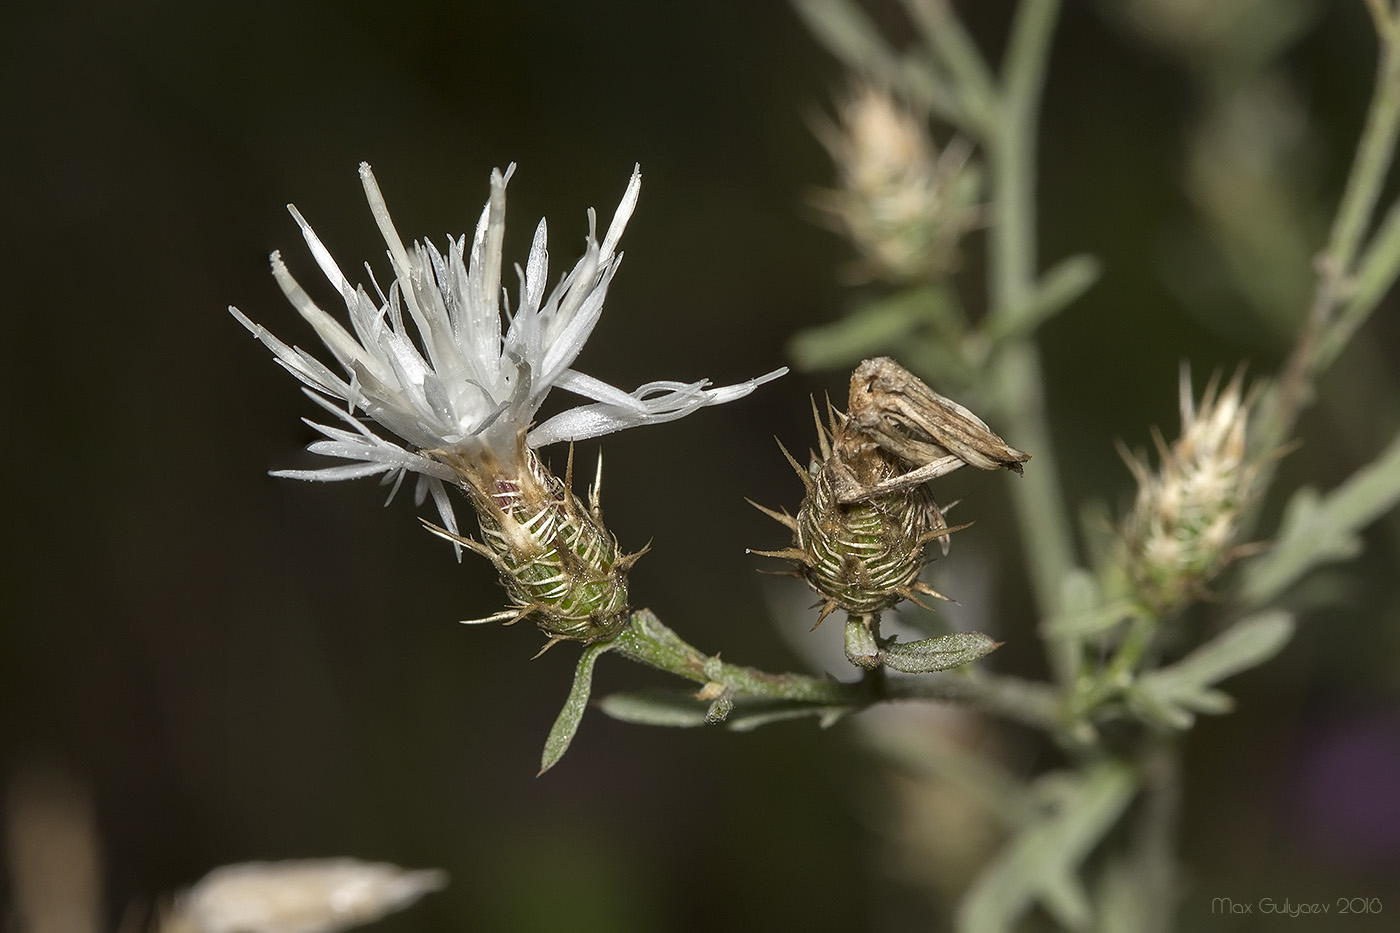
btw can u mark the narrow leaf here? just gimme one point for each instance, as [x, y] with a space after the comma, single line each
[656, 707]
[1060, 287]
[938, 654]
[1246, 644]
[1321, 529]
[1082, 611]
[1041, 862]
[677, 709]
[562, 732]
[873, 329]
[1171, 696]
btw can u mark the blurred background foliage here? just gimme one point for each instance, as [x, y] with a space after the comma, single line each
[237, 667]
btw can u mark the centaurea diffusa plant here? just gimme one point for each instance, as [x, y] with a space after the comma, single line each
[460, 393]
[1089, 839]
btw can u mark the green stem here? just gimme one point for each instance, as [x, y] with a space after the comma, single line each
[1324, 335]
[1011, 150]
[948, 40]
[648, 641]
[1154, 845]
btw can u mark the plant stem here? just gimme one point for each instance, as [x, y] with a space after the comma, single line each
[1154, 844]
[1017, 377]
[648, 641]
[1324, 335]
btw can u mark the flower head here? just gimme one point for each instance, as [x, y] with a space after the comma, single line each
[445, 364]
[1182, 530]
[901, 202]
[860, 534]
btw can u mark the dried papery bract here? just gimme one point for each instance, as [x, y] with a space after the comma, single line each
[867, 517]
[1183, 527]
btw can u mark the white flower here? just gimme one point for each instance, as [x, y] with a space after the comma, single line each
[456, 384]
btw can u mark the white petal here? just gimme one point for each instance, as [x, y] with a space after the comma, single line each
[676, 401]
[623, 212]
[582, 384]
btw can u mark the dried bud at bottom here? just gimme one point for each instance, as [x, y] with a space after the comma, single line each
[299, 896]
[559, 564]
[1181, 532]
[860, 534]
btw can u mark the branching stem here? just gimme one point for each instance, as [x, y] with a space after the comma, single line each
[648, 641]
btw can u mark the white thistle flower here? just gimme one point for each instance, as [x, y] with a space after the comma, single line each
[456, 385]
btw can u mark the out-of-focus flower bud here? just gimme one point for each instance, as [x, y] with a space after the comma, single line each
[1182, 529]
[901, 202]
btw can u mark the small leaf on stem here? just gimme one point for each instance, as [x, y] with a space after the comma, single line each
[562, 733]
[938, 654]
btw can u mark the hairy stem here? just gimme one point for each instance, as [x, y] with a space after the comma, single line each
[648, 641]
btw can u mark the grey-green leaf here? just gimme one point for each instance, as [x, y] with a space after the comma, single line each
[1040, 863]
[873, 329]
[1246, 644]
[562, 732]
[1060, 287]
[655, 707]
[1173, 695]
[678, 709]
[1321, 529]
[938, 654]
[1083, 612]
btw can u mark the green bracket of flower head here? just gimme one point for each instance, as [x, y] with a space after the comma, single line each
[1173, 695]
[562, 733]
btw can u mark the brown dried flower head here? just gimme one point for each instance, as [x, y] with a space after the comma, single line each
[860, 534]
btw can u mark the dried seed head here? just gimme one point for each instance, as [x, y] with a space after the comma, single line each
[559, 564]
[901, 202]
[860, 535]
[1182, 529]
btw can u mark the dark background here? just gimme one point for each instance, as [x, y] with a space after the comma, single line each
[239, 667]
